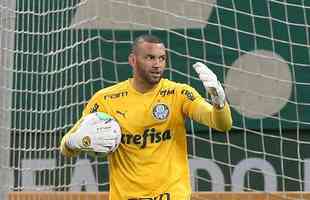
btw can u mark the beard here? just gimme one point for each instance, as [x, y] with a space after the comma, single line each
[150, 77]
[153, 78]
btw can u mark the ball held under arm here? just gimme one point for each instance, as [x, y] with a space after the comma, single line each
[97, 132]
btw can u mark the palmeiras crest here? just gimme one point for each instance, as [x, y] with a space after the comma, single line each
[160, 111]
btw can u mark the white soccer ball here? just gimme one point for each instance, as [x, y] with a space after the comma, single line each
[102, 123]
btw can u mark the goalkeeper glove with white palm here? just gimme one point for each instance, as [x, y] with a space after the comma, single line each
[97, 132]
[211, 84]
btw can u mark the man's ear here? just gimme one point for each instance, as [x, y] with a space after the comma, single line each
[132, 59]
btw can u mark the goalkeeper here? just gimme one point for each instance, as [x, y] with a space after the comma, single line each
[151, 161]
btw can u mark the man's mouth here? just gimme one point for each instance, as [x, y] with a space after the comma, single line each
[156, 74]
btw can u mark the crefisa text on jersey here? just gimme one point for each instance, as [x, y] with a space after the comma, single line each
[149, 136]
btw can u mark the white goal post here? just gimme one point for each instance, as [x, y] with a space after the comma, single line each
[55, 54]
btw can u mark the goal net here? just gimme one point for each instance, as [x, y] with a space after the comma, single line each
[55, 54]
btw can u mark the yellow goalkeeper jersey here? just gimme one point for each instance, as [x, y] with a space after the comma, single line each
[151, 161]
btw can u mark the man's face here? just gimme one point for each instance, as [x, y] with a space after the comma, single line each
[148, 62]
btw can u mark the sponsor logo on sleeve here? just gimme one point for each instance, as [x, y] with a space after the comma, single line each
[94, 108]
[188, 94]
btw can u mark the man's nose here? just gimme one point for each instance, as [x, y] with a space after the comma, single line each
[157, 62]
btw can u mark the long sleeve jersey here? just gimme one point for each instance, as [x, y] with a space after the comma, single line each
[152, 161]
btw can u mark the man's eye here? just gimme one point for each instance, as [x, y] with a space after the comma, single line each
[162, 58]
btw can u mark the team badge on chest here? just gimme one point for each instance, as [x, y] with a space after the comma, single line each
[160, 111]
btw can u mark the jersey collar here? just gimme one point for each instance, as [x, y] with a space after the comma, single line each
[152, 91]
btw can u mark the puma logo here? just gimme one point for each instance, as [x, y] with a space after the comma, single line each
[121, 113]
